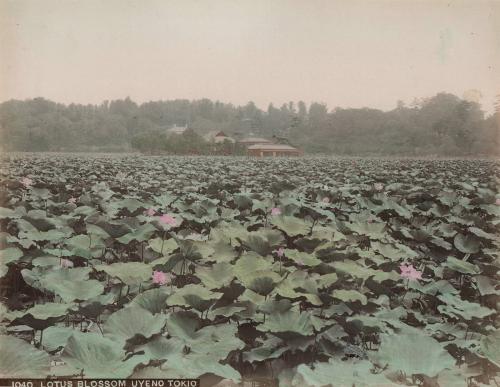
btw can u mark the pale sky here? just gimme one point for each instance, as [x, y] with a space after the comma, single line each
[344, 53]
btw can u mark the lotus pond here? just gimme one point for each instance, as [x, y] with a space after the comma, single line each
[302, 272]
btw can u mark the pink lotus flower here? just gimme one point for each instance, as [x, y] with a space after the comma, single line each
[161, 278]
[378, 186]
[150, 212]
[497, 202]
[280, 252]
[408, 271]
[27, 182]
[275, 211]
[168, 219]
[326, 199]
[72, 200]
[66, 263]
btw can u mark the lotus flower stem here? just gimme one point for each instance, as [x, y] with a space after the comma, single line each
[120, 295]
[404, 295]
[270, 367]
[99, 326]
[41, 338]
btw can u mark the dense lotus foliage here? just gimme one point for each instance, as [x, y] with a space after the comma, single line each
[308, 272]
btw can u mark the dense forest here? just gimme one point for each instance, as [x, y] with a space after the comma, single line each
[443, 125]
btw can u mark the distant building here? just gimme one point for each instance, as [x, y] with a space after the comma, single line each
[218, 137]
[176, 129]
[269, 149]
[249, 141]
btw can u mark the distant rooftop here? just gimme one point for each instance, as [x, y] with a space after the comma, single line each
[218, 137]
[256, 140]
[271, 147]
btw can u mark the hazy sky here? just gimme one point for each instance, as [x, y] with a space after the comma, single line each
[344, 53]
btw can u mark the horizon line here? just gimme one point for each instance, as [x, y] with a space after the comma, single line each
[277, 105]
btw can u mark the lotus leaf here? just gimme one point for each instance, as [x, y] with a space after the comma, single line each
[261, 282]
[19, 359]
[302, 259]
[129, 322]
[490, 347]
[461, 266]
[456, 307]
[292, 226]
[69, 290]
[486, 285]
[153, 300]
[161, 348]
[339, 374]
[289, 322]
[249, 263]
[468, 244]
[372, 230]
[349, 296]
[130, 273]
[413, 353]
[219, 275]
[98, 357]
[56, 337]
[196, 296]
[10, 254]
[139, 234]
[161, 246]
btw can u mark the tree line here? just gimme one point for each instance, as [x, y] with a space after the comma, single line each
[443, 125]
